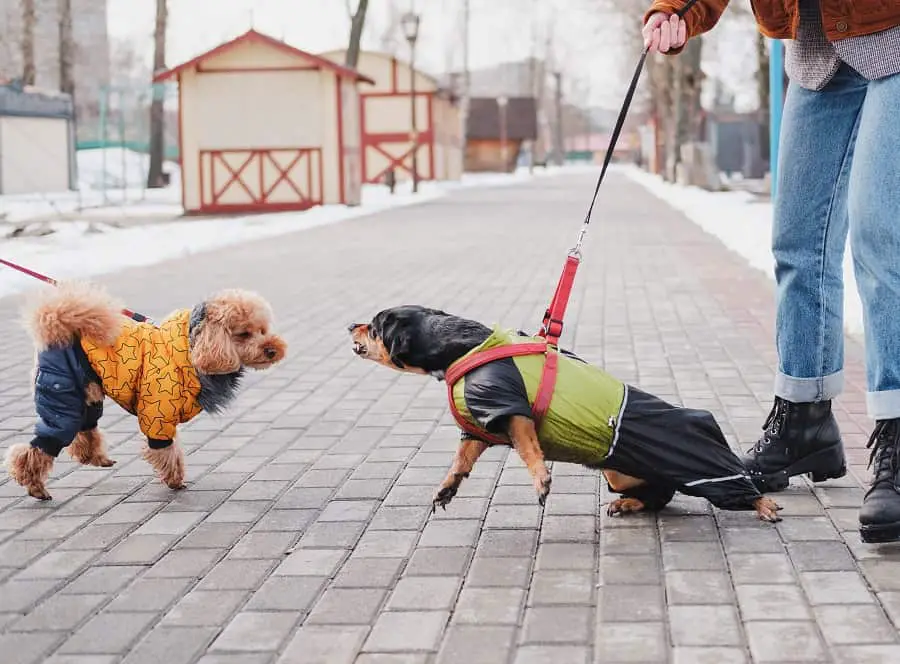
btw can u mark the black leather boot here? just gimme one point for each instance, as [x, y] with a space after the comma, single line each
[879, 516]
[798, 438]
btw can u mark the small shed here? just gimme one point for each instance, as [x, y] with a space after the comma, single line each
[497, 129]
[37, 141]
[386, 121]
[266, 127]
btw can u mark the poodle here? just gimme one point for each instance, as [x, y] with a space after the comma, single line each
[165, 375]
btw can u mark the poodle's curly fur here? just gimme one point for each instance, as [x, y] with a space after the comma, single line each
[231, 332]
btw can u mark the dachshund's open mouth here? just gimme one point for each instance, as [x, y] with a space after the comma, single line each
[359, 348]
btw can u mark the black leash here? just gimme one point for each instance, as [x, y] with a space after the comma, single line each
[620, 122]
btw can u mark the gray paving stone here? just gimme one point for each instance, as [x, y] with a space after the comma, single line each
[237, 574]
[213, 536]
[755, 568]
[24, 648]
[205, 608]
[287, 593]
[772, 602]
[172, 645]
[632, 642]
[384, 658]
[332, 535]
[385, 544]
[546, 624]
[631, 540]
[630, 603]
[568, 529]
[60, 612]
[17, 596]
[565, 556]
[400, 518]
[311, 562]
[784, 642]
[251, 631]
[108, 632]
[881, 574]
[179, 563]
[498, 572]
[139, 550]
[451, 533]
[57, 565]
[406, 631]
[440, 561]
[486, 606]
[347, 606]
[713, 655]
[700, 556]
[561, 587]
[854, 624]
[477, 644]
[556, 654]
[752, 540]
[698, 588]
[871, 654]
[105, 579]
[835, 588]
[99, 537]
[170, 523]
[262, 545]
[630, 569]
[369, 572]
[150, 594]
[320, 644]
[509, 543]
[424, 593]
[704, 626]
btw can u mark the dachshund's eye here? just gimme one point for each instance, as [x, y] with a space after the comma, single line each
[372, 334]
[244, 335]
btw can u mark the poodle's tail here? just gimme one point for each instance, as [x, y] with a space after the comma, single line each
[72, 309]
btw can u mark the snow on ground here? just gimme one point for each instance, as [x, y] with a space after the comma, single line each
[743, 223]
[61, 254]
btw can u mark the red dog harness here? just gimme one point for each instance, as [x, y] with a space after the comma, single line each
[551, 330]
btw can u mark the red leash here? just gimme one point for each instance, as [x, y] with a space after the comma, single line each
[552, 325]
[133, 315]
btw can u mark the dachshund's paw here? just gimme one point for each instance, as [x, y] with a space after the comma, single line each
[443, 497]
[542, 483]
[767, 509]
[624, 506]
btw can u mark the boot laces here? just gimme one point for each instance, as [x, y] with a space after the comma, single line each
[773, 425]
[885, 455]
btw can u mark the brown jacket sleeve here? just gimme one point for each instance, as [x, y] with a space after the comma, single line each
[700, 18]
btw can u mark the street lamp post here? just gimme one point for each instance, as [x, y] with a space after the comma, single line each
[410, 23]
[502, 102]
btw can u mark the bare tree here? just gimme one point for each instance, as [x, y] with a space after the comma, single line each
[357, 23]
[29, 70]
[157, 106]
[66, 49]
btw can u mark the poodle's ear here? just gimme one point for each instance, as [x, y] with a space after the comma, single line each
[212, 351]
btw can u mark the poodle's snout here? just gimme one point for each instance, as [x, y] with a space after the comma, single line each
[270, 353]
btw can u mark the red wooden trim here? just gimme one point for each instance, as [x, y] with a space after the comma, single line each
[321, 178]
[260, 202]
[235, 175]
[394, 74]
[258, 207]
[430, 141]
[419, 93]
[253, 35]
[363, 162]
[340, 129]
[398, 137]
[181, 143]
[238, 70]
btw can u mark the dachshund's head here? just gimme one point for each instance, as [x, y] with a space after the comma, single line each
[416, 339]
[232, 329]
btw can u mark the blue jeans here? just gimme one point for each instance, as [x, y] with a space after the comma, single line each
[839, 170]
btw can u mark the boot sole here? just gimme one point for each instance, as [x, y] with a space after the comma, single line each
[880, 533]
[826, 464]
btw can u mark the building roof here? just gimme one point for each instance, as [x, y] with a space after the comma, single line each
[484, 119]
[25, 101]
[258, 37]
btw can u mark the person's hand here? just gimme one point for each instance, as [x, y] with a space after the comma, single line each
[663, 32]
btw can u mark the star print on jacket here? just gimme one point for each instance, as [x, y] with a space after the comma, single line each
[148, 372]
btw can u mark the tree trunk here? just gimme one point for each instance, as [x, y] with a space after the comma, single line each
[29, 71]
[357, 22]
[157, 108]
[66, 49]
[762, 86]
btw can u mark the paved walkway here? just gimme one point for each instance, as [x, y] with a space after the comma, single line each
[305, 534]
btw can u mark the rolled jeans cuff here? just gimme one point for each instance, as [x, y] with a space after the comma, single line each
[883, 405]
[807, 390]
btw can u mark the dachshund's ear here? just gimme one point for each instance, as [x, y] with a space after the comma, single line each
[398, 346]
[212, 351]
